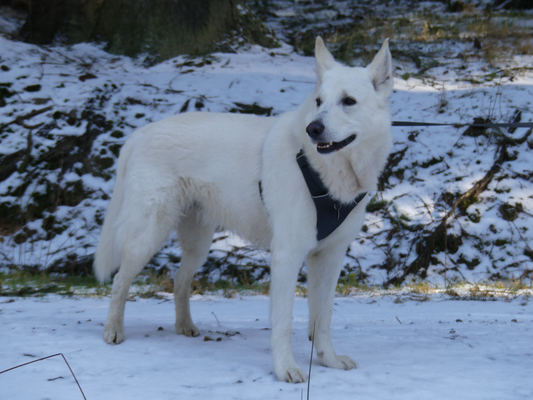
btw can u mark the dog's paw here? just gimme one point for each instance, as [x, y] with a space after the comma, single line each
[292, 375]
[189, 330]
[339, 362]
[114, 333]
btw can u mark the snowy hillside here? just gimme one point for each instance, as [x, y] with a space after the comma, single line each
[455, 202]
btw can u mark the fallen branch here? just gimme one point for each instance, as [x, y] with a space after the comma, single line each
[427, 245]
[21, 118]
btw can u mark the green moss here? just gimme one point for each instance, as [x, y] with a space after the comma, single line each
[115, 149]
[509, 212]
[73, 193]
[42, 201]
[467, 202]
[470, 264]
[501, 242]
[254, 109]
[30, 281]
[99, 217]
[375, 205]
[475, 218]
[4, 94]
[104, 162]
[378, 205]
[24, 235]
[431, 162]
[32, 88]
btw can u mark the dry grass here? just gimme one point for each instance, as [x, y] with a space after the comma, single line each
[492, 37]
[161, 286]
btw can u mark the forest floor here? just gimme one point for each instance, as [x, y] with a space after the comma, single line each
[454, 203]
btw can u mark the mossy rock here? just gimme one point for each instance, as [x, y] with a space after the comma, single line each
[73, 193]
[115, 149]
[470, 264]
[509, 212]
[117, 134]
[104, 162]
[33, 88]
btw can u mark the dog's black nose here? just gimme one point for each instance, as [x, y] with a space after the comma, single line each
[315, 129]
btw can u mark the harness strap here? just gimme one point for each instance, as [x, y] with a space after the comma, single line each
[331, 213]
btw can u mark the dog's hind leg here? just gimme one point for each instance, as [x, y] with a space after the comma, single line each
[323, 270]
[141, 233]
[114, 327]
[195, 238]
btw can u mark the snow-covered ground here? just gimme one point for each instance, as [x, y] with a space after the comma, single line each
[409, 349]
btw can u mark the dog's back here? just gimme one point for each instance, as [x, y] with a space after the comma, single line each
[209, 160]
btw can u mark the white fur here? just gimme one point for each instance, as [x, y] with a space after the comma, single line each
[196, 171]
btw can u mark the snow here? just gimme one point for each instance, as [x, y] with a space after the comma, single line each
[406, 348]
[435, 160]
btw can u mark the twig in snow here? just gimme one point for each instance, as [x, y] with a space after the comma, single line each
[44, 358]
[311, 360]
[216, 318]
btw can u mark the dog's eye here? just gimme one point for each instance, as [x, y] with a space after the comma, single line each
[348, 101]
[318, 102]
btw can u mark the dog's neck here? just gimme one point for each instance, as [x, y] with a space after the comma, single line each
[339, 174]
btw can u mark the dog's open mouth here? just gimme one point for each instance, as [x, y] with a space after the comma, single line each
[330, 147]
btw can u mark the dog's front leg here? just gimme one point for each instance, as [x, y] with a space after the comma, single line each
[285, 265]
[323, 270]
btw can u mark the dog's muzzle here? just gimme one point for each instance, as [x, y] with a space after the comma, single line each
[315, 130]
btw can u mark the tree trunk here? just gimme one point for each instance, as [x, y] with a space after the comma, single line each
[162, 29]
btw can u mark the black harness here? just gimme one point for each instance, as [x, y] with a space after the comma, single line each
[330, 213]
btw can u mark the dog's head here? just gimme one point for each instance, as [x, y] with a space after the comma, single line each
[348, 100]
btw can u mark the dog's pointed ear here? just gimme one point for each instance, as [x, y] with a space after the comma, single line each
[324, 59]
[380, 70]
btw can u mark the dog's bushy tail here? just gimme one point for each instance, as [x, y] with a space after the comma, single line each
[107, 256]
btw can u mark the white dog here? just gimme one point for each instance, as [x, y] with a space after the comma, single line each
[196, 171]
